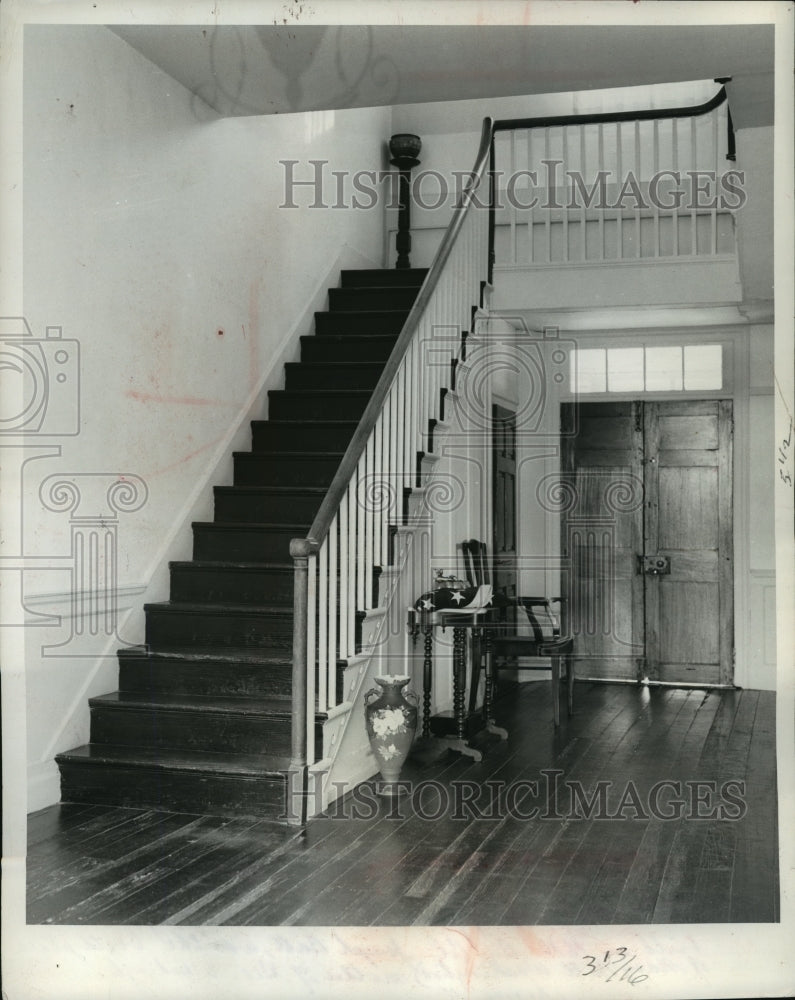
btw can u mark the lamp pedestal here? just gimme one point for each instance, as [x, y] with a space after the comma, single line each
[404, 149]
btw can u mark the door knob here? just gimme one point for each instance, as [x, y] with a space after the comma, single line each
[655, 565]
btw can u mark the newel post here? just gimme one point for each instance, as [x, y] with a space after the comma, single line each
[404, 149]
[300, 550]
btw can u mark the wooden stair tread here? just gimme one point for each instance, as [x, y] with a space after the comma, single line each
[276, 490]
[339, 313]
[274, 453]
[233, 564]
[265, 766]
[299, 529]
[244, 567]
[379, 288]
[363, 273]
[211, 654]
[221, 704]
[325, 365]
[311, 421]
[200, 608]
[356, 337]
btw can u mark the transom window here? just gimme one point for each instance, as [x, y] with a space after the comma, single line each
[647, 369]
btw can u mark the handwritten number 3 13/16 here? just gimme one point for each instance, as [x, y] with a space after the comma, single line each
[618, 958]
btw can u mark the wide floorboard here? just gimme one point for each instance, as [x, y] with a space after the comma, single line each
[647, 806]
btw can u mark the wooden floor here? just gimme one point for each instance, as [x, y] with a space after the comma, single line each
[424, 862]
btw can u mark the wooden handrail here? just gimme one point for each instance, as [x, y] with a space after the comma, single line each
[353, 453]
[658, 114]
[303, 550]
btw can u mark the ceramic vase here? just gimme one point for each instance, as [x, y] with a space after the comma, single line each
[391, 721]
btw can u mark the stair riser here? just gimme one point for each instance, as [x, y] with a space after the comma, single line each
[230, 586]
[172, 791]
[322, 376]
[205, 678]
[243, 544]
[319, 406]
[185, 730]
[355, 299]
[357, 324]
[315, 350]
[266, 469]
[301, 437]
[172, 628]
[266, 509]
[383, 277]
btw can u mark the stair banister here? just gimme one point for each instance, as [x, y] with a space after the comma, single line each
[403, 385]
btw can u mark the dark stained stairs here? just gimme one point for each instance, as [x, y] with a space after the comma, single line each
[201, 720]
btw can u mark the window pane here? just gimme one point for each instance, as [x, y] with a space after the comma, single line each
[625, 369]
[589, 373]
[663, 368]
[704, 366]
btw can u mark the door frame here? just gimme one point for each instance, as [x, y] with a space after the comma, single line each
[735, 340]
[637, 421]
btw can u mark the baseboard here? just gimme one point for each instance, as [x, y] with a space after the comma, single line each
[44, 785]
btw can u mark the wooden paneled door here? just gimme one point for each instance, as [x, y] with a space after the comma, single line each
[504, 499]
[647, 539]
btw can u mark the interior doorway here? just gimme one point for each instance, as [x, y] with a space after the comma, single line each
[647, 539]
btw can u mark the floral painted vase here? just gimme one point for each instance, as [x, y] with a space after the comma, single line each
[391, 722]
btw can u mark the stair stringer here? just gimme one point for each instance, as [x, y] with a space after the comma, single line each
[347, 757]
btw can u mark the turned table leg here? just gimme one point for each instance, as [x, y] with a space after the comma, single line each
[488, 694]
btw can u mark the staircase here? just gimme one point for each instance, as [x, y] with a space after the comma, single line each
[201, 722]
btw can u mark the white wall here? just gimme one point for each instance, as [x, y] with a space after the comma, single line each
[760, 653]
[153, 236]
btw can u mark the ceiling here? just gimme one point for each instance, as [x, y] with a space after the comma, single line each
[265, 69]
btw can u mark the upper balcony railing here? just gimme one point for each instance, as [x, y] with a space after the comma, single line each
[610, 187]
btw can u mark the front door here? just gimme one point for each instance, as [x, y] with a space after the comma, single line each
[647, 540]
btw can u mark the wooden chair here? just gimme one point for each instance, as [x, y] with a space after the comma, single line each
[504, 643]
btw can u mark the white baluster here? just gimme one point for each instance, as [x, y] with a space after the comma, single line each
[359, 547]
[352, 566]
[713, 212]
[345, 565]
[600, 157]
[549, 199]
[331, 662]
[620, 213]
[514, 258]
[369, 521]
[530, 240]
[675, 210]
[655, 170]
[583, 216]
[311, 659]
[322, 638]
[693, 213]
[566, 196]
[400, 433]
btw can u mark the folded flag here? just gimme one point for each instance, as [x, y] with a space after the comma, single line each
[453, 599]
